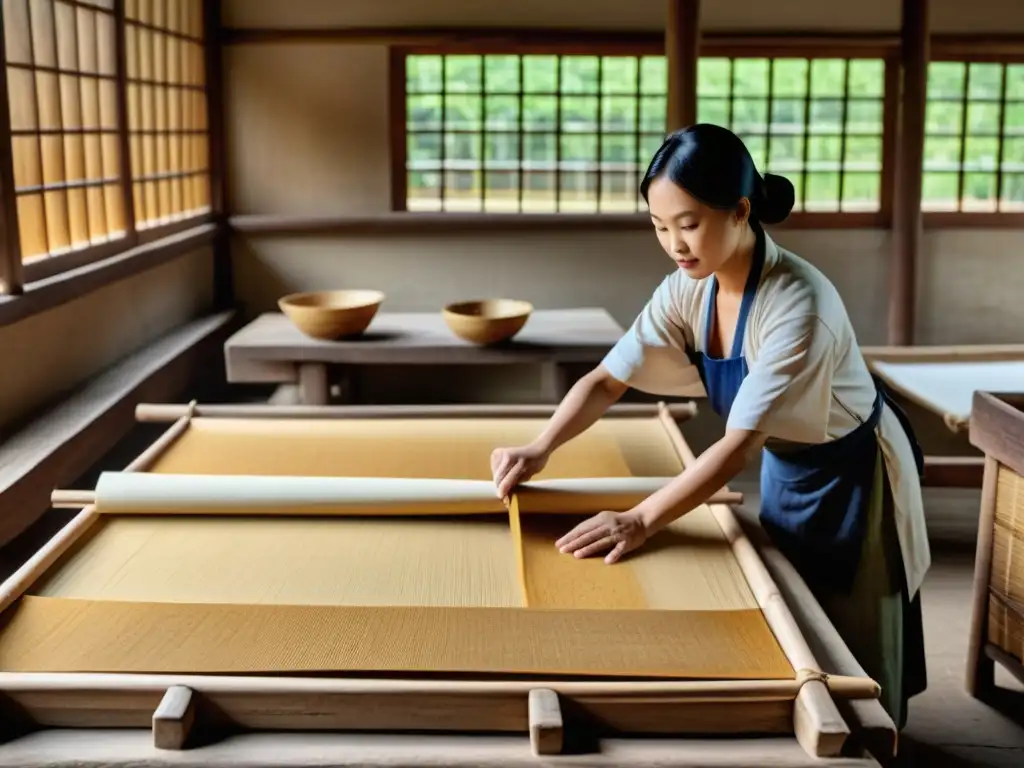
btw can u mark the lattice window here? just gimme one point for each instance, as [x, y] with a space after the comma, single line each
[62, 89]
[531, 133]
[167, 115]
[819, 122]
[974, 145]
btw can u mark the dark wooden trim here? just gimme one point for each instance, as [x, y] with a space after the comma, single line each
[163, 231]
[953, 471]
[890, 136]
[980, 678]
[45, 267]
[567, 41]
[978, 47]
[73, 284]
[417, 222]
[421, 39]
[414, 222]
[997, 427]
[973, 220]
[909, 178]
[124, 129]
[60, 445]
[682, 43]
[397, 133]
[213, 42]
[11, 277]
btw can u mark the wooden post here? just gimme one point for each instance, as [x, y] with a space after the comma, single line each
[11, 281]
[174, 718]
[126, 180]
[909, 171]
[682, 39]
[545, 713]
[223, 274]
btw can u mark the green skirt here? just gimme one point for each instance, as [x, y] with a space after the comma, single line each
[880, 624]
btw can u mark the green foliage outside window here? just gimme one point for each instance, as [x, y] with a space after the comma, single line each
[575, 133]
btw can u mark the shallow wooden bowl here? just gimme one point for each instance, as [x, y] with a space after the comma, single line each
[332, 315]
[488, 321]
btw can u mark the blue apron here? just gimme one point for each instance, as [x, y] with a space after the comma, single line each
[815, 499]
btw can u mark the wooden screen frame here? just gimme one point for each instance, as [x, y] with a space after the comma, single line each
[805, 708]
[524, 42]
[14, 272]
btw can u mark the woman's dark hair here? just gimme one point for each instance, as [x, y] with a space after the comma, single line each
[713, 165]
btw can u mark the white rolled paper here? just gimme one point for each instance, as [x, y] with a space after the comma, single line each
[143, 492]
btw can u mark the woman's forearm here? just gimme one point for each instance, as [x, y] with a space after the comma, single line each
[586, 402]
[697, 483]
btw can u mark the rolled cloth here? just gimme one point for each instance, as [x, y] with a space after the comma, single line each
[142, 493]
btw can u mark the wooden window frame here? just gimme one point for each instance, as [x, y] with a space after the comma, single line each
[965, 50]
[554, 43]
[16, 274]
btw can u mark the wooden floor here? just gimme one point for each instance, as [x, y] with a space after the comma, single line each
[946, 727]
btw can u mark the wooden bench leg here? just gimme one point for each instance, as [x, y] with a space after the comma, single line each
[553, 382]
[313, 384]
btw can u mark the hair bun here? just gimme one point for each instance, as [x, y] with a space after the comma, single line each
[777, 199]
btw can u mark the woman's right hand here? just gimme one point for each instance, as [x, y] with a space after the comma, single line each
[512, 466]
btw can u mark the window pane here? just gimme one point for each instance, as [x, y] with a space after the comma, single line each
[61, 121]
[592, 121]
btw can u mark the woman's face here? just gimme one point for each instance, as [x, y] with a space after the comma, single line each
[698, 238]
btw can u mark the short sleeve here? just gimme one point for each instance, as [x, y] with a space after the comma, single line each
[787, 393]
[652, 355]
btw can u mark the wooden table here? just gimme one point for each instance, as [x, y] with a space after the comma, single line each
[76, 690]
[942, 380]
[271, 349]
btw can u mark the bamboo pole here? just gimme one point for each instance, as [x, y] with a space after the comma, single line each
[34, 568]
[819, 727]
[156, 412]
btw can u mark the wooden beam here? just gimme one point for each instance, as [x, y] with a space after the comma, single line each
[415, 39]
[58, 447]
[124, 122]
[682, 42]
[11, 278]
[74, 284]
[213, 46]
[953, 471]
[416, 223]
[174, 718]
[546, 726]
[910, 162]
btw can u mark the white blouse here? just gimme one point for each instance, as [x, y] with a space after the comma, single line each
[807, 377]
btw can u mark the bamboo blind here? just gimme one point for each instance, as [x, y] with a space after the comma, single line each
[1006, 619]
[62, 83]
[167, 115]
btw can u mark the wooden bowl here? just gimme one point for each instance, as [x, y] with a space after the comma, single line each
[331, 315]
[488, 321]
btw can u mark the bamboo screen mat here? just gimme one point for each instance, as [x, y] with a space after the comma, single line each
[221, 595]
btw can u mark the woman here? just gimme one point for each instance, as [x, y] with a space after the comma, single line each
[768, 336]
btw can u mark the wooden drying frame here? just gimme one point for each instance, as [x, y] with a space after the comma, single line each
[997, 429]
[944, 471]
[177, 705]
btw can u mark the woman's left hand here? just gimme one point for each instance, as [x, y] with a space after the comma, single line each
[621, 532]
